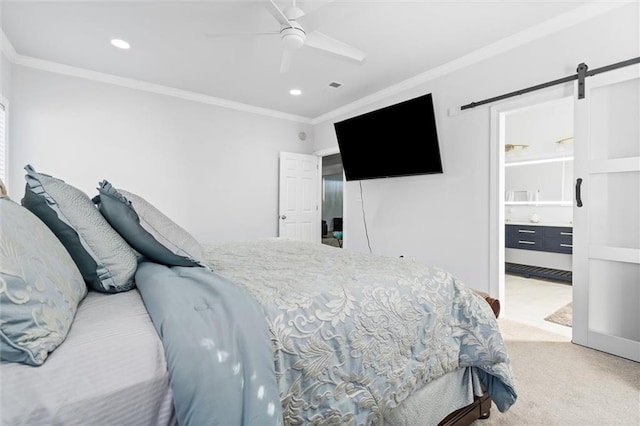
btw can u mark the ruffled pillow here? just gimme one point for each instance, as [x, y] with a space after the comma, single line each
[147, 229]
[106, 261]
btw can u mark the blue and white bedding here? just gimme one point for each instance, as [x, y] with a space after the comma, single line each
[269, 332]
[302, 333]
[110, 370]
[217, 347]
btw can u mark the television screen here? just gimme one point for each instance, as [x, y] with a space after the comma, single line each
[398, 140]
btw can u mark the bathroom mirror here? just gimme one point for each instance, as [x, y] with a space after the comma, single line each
[539, 182]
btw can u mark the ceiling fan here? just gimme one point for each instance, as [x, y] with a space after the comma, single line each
[298, 29]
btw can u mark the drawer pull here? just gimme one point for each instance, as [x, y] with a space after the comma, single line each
[527, 242]
[526, 231]
[566, 233]
[566, 245]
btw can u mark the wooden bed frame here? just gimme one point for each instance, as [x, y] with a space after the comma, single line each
[480, 408]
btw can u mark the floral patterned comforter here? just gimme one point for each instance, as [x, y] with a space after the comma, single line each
[355, 334]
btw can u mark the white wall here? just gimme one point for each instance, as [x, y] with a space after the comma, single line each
[5, 98]
[540, 127]
[5, 77]
[444, 219]
[212, 170]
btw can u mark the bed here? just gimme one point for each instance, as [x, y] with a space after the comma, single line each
[266, 332]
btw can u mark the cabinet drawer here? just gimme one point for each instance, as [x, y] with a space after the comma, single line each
[555, 239]
[515, 233]
[523, 230]
[525, 241]
[558, 232]
[562, 244]
[523, 237]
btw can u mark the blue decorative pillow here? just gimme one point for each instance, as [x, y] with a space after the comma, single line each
[146, 229]
[41, 287]
[106, 261]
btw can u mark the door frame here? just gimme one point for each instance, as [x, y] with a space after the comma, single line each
[497, 183]
[324, 153]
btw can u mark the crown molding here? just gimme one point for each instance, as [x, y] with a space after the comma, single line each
[54, 67]
[6, 47]
[580, 14]
[558, 23]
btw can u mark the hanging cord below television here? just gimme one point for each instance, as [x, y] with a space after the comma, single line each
[364, 219]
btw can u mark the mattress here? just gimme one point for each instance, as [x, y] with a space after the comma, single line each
[111, 369]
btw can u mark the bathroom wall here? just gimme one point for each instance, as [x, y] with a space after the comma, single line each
[535, 133]
[540, 166]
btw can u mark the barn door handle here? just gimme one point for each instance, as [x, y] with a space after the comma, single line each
[578, 196]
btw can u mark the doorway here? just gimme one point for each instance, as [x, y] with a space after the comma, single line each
[538, 204]
[332, 200]
[532, 197]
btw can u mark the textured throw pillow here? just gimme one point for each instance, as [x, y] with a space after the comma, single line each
[107, 263]
[40, 287]
[146, 229]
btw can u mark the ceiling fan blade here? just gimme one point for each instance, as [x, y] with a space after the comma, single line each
[285, 62]
[277, 13]
[329, 12]
[220, 35]
[322, 41]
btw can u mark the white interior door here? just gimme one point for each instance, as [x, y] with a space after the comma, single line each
[606, 253]
[299, 215]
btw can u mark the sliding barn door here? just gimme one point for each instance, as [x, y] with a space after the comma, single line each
[606, 253]
[299, 215]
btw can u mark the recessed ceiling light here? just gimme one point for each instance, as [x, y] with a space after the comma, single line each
[121, 44]
[295, 92]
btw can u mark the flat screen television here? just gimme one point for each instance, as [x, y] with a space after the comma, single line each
[398, 140]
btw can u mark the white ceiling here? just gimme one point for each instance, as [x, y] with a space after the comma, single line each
[171, 43]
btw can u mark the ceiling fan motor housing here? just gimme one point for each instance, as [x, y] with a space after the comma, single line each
[293, 37]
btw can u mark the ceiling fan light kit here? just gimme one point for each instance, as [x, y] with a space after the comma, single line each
[299, 29]
[292, 37]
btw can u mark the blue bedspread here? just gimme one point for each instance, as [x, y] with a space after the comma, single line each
[307, 334]
[217, 347]
[356, 334]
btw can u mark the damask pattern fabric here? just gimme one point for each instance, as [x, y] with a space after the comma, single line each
[355, 334]
[147, 229]
[40, 287]
[107, 263]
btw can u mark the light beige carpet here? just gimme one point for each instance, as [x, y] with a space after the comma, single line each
[563, 316]
[560, 383]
